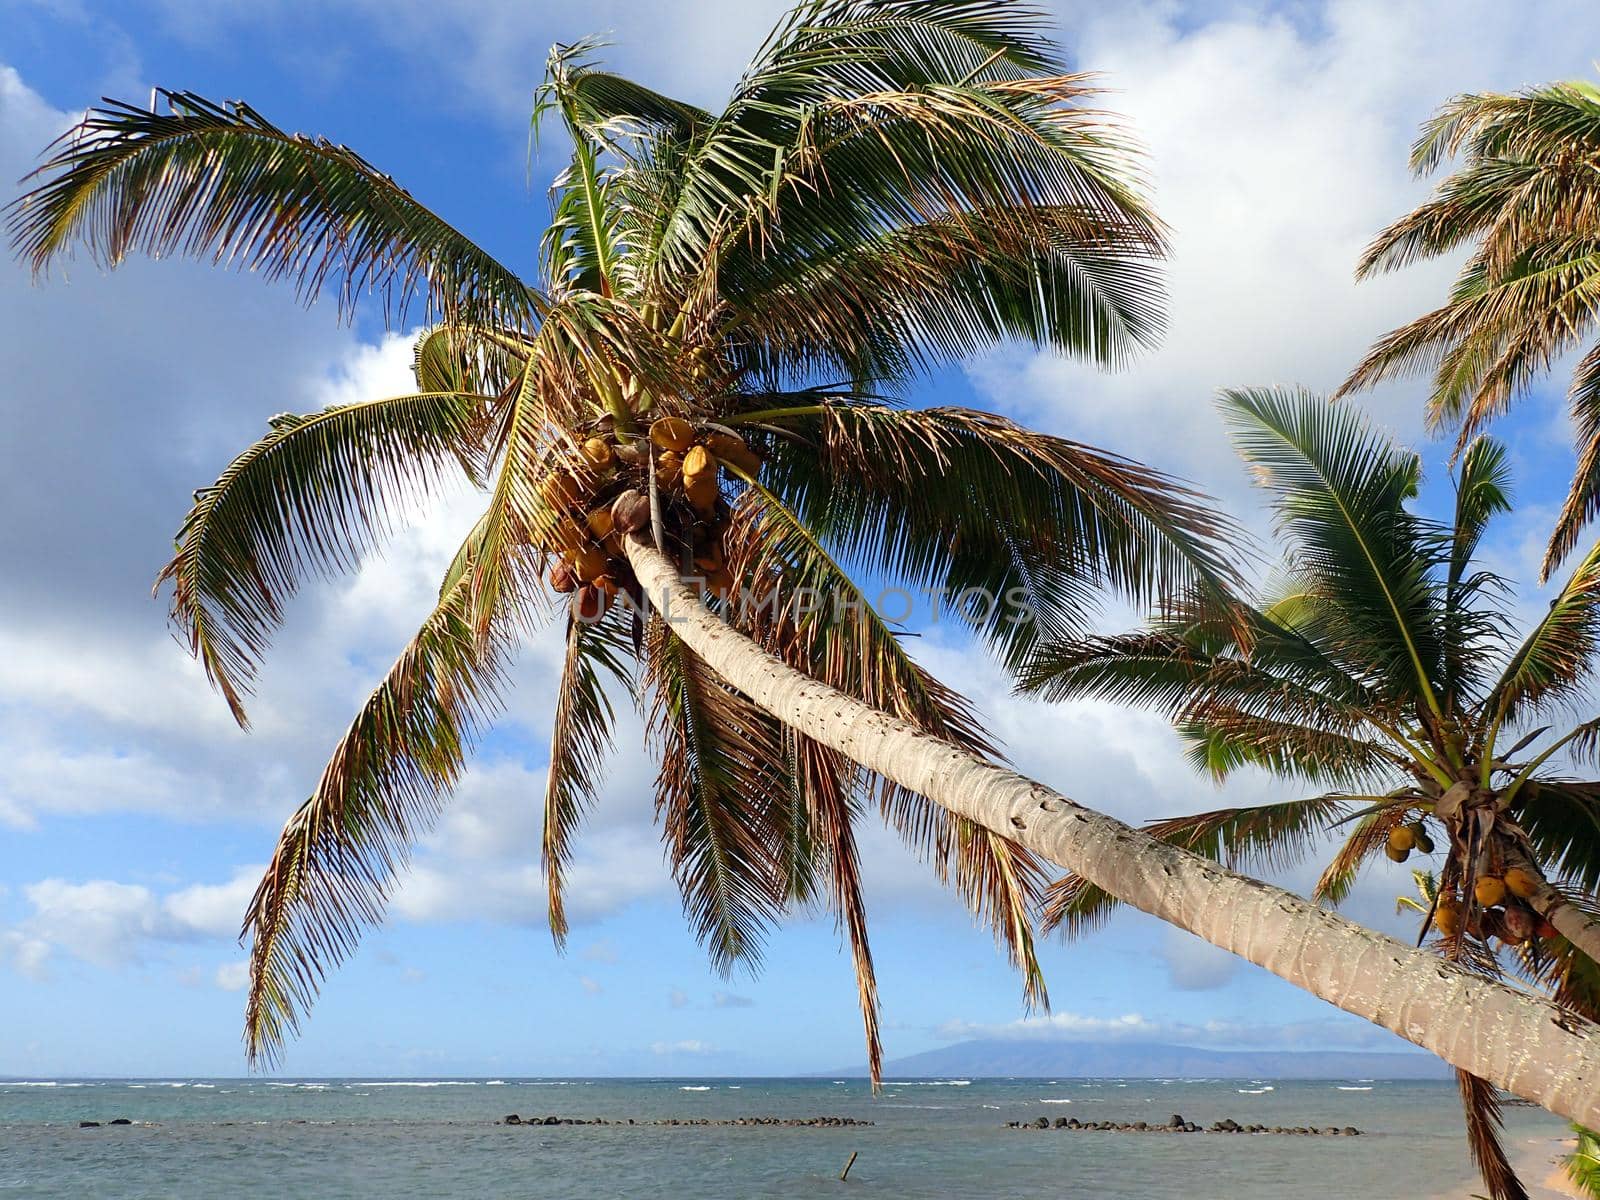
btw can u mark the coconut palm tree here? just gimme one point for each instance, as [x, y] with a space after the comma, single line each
[1381, 668]
[683, 447]
[1525, 197]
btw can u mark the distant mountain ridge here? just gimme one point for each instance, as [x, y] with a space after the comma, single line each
[1149, 1060]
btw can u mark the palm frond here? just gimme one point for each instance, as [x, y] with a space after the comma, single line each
[1339, 493]
[316, 494]
[1366, 838]
[1557, 657]
[721, 777]
[1018, 529]
[222, 182]
[385, 784]
[1583, 498]
[1480, 1101]
[815, 618]
[597, 655]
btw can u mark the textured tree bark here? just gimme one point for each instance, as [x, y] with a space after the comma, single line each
[1518, 1041]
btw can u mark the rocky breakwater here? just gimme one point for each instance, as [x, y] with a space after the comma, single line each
[781, 1122]
[1178, 1125]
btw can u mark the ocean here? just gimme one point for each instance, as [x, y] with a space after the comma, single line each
[932, 1138]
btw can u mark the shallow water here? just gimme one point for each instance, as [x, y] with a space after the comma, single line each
[931, 1138]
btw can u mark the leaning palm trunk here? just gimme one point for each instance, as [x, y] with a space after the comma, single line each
[1517, 1041]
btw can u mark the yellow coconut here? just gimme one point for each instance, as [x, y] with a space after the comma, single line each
[669, 469]
[1490, 890]
[1396, 855]
[600, 523]
[702, 491]
[559, 489]
[589, 563]
[1402, 839]
[733, 451]
[565, 535]
[597, 451]
[698, 462]
[672, 433]
[1522, 883]
[1447, 918]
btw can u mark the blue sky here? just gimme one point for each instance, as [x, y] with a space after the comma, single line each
[133, 815]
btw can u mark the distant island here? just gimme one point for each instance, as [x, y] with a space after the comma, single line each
[1145, 1060]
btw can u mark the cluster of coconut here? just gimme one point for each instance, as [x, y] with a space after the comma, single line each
[1403, 839]
[1501, 912]
[607, 497]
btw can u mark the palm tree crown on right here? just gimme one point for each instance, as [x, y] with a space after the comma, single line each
[1526, 196]
[1381, 669]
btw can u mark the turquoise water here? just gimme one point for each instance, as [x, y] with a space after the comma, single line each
[932, 1138]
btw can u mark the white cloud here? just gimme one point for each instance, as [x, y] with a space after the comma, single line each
[730, 1000]
[677, 998]
[1278, 148]
[111, 924]
[1194, 965]
[590, 986]
[233, 976]
[690, 1047]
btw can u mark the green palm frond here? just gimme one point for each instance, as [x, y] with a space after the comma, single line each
[315, 495]
[387, 781]
[717, 796]
[222, 182]
[1557, 658]
[1583, 1164]
[967, 502]
[1340, 492]
[1583, 500]
[597, 655]
[1525, 194]
[887, 307]
[1562, 819]
[845, 642]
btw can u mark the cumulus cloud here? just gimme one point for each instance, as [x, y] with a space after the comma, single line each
[1277, 145]
[1194, 965]
[111, 924]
